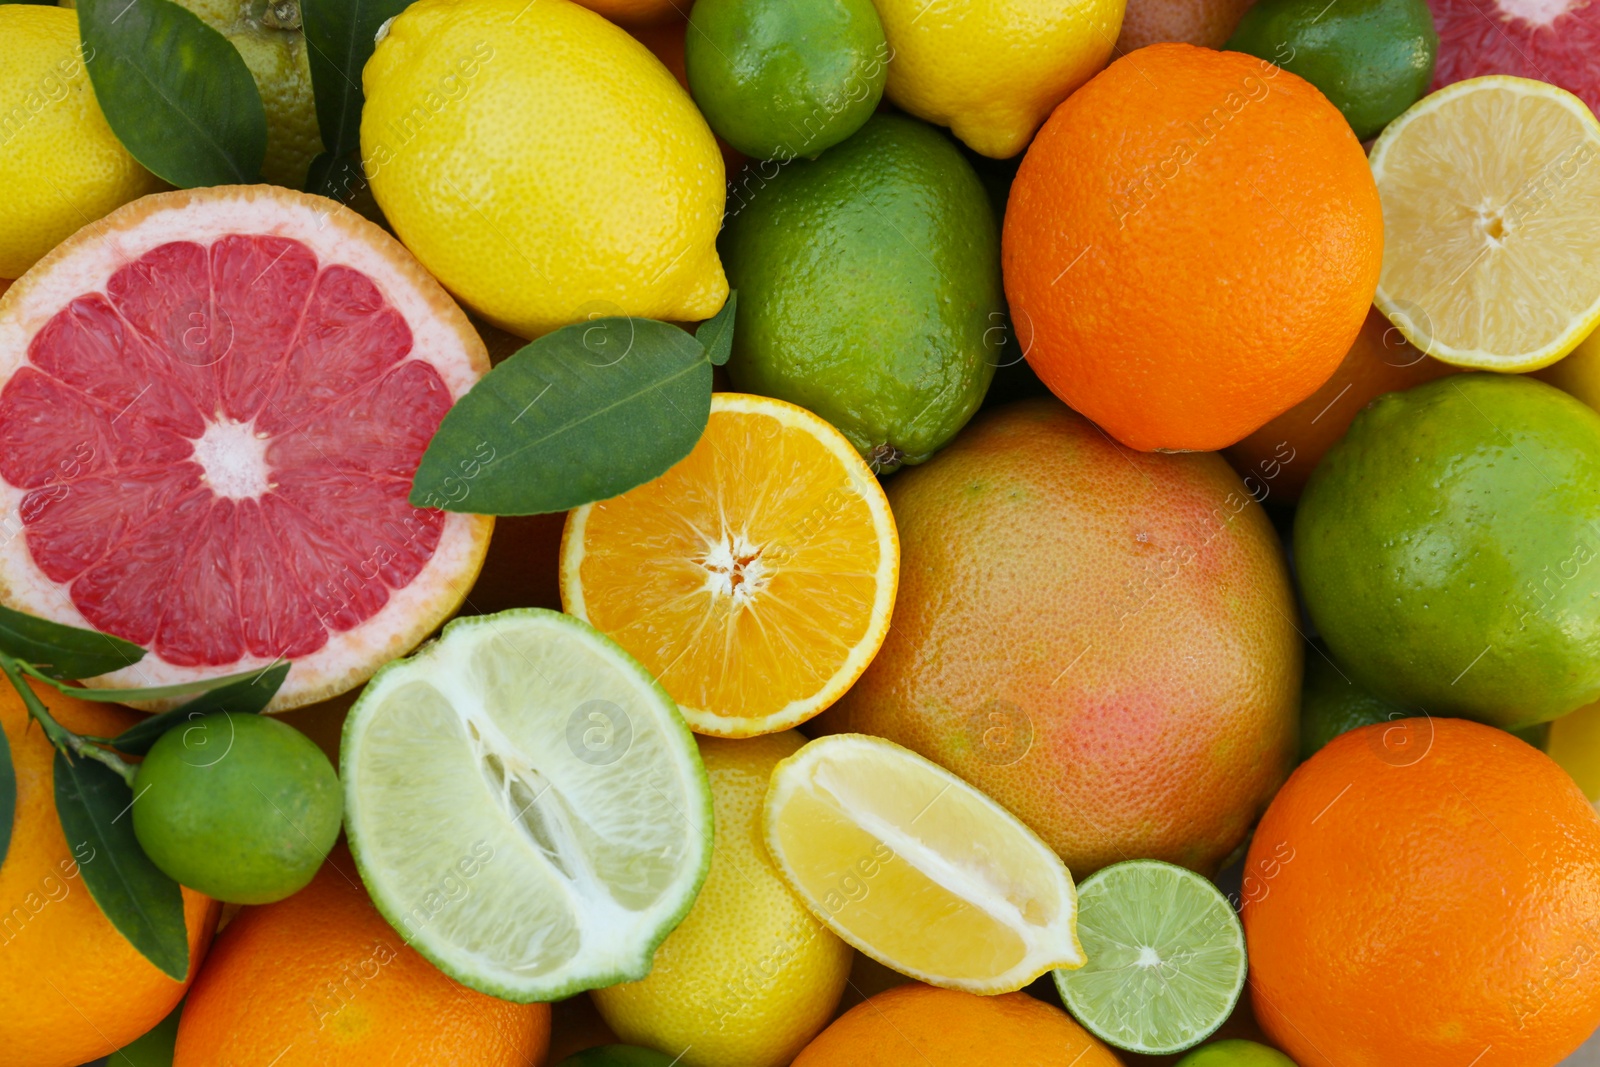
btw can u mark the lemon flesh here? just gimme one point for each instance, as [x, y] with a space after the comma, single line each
[918, 869]
[1491, 217]
[526, 806]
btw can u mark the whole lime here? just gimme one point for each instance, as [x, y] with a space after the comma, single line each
[1235, 1052]
[1447, 553]
[869, 287]
[618, 1056]
[1372, 58]
[778, 79]
[1331, 703]
[243, 808]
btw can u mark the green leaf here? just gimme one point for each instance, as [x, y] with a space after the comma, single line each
[175, 92]
[339, 40]
[63, 651]
[142, 903]
[716, 333]
[245, 697]
[149, 692]
[581, 414]
[8, 795]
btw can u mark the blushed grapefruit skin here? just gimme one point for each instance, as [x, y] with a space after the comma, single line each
[1098, 638]
[211, 405]
[1555, 41]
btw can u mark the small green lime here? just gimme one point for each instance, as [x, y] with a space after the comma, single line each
[618, 1056]
[1372, 58]
[242, 808]
[1235, 1053]
[778, 79]
[869, 287]
[1332, 703]
[1447, 551]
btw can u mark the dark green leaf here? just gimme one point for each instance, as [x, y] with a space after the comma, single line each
[339, 41]
[63, 651]
[152, 692]
[8, 795]
[716, 333]
[145, 905]
[581, 414]
[244, 697]
[176, 93]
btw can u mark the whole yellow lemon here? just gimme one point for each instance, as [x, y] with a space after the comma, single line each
[61, 167]
[993, 70]
[750, 976]
[543, 164]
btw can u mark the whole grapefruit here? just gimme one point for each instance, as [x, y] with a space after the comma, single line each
[1100, 639]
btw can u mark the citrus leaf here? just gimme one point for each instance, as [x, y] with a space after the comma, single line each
[716, 333]
[175, 92]
[141, 902]
[581, 414]
[63, 651]
[244, 697]
[8, 795]
[339, 40]
[150, 692]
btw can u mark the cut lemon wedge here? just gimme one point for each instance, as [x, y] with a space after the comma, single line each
[1491, 219]
[918, 869]
[754, 579]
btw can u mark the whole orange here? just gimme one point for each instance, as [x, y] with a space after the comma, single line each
[1276, 460]
[919, 1026]
[1426, 892]
[1099, 639]
[319, 979]
[639, 12]
[1191, 244]
[73, 988]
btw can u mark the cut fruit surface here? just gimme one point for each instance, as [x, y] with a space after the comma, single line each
[1166, 957]
[212, 403]
[531, 743]
[755, 578]
[1491, 217]
[1551, 40]
[918, 869]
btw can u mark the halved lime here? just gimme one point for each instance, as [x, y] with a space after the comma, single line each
[526, 805]
[1166, 957]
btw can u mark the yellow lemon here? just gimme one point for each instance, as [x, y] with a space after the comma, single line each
[749, 976]
[543, 164]
[1578, 372]
[61, 167]
[1575, 744]
[993, 70]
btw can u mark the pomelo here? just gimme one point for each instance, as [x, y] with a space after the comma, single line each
[1100, 639]
[212, 403]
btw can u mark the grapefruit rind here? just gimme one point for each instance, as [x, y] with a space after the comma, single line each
[1010, 875]
[1567, 177]
[412, 803]
[442, 337]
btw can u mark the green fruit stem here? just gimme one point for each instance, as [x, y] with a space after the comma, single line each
[65, 740]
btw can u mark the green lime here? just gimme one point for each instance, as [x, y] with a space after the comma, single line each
[526, 805]
[243, 808]
[869, 287]
[618, 1056]
[1331, 703]
[1166, 957]
[1235, 1053]
[1372, 58]
[1447, 553]
[154, 1049]
[778, 79]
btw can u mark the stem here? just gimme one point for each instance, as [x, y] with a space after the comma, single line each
[64, 739]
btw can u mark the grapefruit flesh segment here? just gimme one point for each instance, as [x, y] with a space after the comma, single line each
[215, 449]
[1552, 41]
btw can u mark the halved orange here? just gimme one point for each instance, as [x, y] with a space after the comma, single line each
[754, 579]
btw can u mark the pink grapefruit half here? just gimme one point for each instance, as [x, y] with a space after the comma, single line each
[1555, 41]
[212, 404]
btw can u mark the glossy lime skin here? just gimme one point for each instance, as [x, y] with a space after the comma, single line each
[1235, 1053]
[1331, 703]
[778, 79]
[1448, 553]
[1372, 58]
[869, 288]
[618, 1056]
[242, 808]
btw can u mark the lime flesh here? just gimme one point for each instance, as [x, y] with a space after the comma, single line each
[526, 805]
[1166, 958]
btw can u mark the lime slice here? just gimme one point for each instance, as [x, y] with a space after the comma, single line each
[526, 805]
[1166, 957]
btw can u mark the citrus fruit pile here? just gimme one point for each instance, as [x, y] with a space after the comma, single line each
[831, 533]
